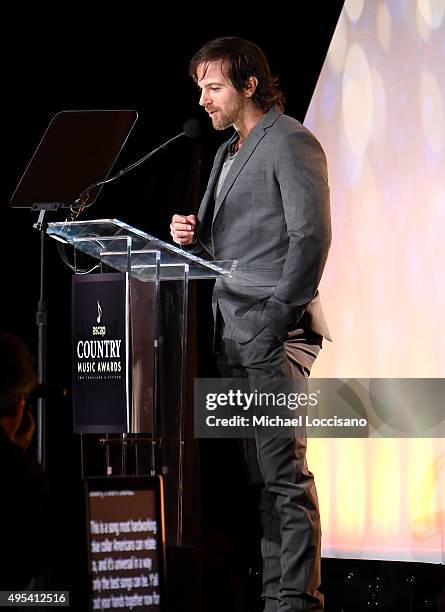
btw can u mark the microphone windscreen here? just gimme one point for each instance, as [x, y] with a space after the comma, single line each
[191, 128]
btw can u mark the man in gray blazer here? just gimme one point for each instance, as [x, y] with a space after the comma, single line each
[267, 206]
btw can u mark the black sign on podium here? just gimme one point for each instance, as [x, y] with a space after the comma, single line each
[100, 353]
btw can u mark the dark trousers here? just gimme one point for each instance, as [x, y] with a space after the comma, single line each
[288, 504]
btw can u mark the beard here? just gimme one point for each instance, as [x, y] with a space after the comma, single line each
[225, 119]
[222, 121]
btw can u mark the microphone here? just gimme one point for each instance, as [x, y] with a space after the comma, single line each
[191, 129]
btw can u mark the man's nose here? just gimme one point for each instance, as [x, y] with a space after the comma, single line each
[204, 98]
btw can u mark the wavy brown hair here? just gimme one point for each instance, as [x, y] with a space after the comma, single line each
[241, 59]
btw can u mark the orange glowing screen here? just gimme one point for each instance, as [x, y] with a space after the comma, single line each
[378, 110]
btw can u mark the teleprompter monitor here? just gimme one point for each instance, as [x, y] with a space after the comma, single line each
[125, 540]
[78, 149]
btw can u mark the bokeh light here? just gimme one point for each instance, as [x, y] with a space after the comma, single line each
[383, 90]
[357, 99]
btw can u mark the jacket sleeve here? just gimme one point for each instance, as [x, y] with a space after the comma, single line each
[301, 172]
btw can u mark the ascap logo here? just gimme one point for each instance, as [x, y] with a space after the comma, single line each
[99, 330]
[99, 312]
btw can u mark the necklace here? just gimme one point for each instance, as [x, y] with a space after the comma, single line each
[235, 147]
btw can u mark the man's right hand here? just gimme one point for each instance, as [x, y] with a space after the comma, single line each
[182, 229]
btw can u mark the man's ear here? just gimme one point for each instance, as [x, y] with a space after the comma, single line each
[250, 86]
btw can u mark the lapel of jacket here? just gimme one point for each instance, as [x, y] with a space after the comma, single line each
[208, 197]
[249, 146]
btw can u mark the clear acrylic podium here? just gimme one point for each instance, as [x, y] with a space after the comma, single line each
[157, 275]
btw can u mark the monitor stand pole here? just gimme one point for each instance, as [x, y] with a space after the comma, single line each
[41, 322]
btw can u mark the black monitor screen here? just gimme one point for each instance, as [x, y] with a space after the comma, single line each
[125, 543]
[78, 149]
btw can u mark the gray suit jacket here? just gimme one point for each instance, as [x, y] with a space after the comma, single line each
[272, 215]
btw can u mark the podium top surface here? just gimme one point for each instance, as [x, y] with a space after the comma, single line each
[121, 246]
